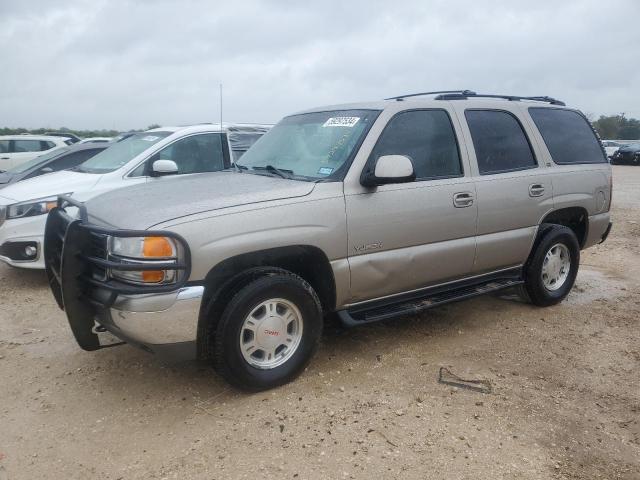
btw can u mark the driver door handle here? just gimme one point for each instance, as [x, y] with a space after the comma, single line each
[462, 199]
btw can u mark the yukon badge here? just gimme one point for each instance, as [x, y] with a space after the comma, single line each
[368, 246]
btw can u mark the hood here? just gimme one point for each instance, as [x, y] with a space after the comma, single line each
[48, 185]
[141, 206]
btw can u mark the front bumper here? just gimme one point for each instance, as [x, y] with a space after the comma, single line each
[626, 158]
[156, 321]
[159, 318]
[17, 233]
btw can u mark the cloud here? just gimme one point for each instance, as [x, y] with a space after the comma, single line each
[127, 64]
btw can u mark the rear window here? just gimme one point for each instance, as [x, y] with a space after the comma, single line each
[568, 136]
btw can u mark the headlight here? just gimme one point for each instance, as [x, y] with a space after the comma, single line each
[32, 208]
[145, 251]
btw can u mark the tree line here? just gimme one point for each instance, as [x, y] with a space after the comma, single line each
[79, 133]
[617, 127]
[609, 127]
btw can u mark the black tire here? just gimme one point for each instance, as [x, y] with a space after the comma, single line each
[534, 289]
[228, 358]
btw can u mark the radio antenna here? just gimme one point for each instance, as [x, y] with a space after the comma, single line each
[220, 107]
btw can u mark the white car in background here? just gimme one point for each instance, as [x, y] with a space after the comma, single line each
[612, 146]
[17, 149]
[143, 157]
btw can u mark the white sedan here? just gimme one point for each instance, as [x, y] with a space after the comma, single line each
[143, 157]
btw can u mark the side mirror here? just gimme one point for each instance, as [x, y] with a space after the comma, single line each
[389, 169]
[163, 167]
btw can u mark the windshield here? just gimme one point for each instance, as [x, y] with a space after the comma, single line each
[121, 153]
[23, 167]
[310, 146]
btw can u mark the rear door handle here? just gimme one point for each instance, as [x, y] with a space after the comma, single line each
[4, 158]
[536, 190]
[462, 199]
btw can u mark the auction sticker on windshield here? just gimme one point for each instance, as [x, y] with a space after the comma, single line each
[341, 122]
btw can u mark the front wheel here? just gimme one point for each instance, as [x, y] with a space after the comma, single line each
[551, 271]
[268, 332]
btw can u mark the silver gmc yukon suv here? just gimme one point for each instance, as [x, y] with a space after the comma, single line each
[367, 211]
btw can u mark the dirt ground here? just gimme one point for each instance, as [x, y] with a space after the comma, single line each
[565, 400]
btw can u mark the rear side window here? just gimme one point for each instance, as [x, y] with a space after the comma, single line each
[237, 154]
[20, 146]
[241, 142]
[568, 136]
[4, 146]
[499, 141]
[427, 138]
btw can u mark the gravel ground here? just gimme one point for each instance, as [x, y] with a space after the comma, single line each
[565, 400]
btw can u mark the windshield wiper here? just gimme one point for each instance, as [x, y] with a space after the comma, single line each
[280, 172]
[240, 168]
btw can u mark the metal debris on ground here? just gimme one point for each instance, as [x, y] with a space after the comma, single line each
[445, 376]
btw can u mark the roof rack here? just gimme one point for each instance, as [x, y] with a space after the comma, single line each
[465, 94]
[511, 98]
[402, 97]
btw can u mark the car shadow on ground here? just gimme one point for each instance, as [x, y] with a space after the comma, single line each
[340, 349]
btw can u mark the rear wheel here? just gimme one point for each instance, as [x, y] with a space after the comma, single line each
[268, 332]
[552, 269]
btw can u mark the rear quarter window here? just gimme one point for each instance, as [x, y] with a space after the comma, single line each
[568, 136]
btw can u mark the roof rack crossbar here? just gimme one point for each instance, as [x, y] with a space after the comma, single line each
[401, 97]
[512, 98]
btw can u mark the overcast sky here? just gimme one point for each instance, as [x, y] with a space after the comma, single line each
[127, 64]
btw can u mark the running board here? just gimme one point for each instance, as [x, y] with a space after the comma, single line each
[376, 311]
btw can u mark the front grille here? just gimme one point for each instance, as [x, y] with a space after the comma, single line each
[3, 214]
[78, 268]
[98, 248]
[55, 230]
[77, 259]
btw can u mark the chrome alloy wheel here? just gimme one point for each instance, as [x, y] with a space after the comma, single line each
[556, 267]
[271, 333]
